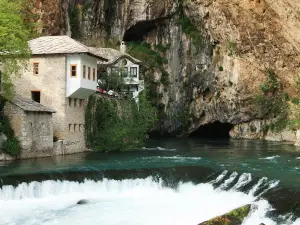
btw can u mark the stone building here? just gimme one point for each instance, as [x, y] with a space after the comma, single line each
[125, 65]
[61, 74]
[33, 126]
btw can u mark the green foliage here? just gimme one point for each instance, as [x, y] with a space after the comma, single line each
[5, 128]
[191, 31]
[74, 17]
[162, 48]
[117, 125]
[14, 34]
[232, 48]
[296, 101]
[12, 147]
[112, 81]
[221, 68]
[272, 84]
[271, 105]
[110, 7]
[234, 217]
[273, 102]
[297, 83]
[142, 51]
[165, 78]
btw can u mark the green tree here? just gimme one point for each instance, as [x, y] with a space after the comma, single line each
[14, 34]
[118, 125]
[112, 80]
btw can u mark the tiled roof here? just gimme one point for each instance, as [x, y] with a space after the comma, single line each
[30, 105]
[112, 55]
[57, 45]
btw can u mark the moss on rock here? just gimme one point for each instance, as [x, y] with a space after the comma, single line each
[234, 217]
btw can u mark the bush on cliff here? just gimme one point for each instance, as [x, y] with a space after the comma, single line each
[117, 124]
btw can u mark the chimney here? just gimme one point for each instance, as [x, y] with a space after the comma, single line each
[123, 47]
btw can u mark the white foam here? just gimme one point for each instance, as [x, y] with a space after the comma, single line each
[298, 158]
[271, 157]
[244, 179]
[228, 181]
[178, 158]
[159, 149]
[130, 201]
[220, 177]
[258, 185]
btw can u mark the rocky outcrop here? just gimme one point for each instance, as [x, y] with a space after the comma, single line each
[259, 129]
[215, 80]
[297, 138]
[235, 217]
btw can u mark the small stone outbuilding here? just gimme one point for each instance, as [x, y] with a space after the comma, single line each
[33, 126]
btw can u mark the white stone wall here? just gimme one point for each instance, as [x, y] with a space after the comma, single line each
[78, 87]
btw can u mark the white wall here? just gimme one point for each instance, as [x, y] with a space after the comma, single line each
[91, 62]
[129, 80]
[77, 87]
[73, 83]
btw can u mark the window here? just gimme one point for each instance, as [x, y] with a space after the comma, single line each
[133, 71]
[36, 96]
[75, 126]
[73, 70]
[124, 72]
[84, 71]
[81, 102]
[75, 102]
[80, 127]
[70, 102]
[94, 74]
[89, 73]
[36, 68]
[70, 126]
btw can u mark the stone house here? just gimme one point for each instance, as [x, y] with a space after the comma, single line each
[33, 126]
[61, 74]
[125, 65]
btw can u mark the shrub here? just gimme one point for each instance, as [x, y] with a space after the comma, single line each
[5, 128]
[117, 125]
[165, 78]
[232, 48]
[296, 101]
[12, 147]
[221, 68]
[272, 84]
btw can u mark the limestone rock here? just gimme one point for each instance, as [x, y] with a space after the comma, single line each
[82, 202]
[235, 217]
[297, 138]
[215, 82]
[3, 139]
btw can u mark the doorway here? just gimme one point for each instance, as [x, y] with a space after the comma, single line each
[36, 96]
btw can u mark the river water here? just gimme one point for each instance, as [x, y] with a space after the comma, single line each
[169, 181]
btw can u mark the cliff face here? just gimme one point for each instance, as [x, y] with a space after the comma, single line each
[213, 79]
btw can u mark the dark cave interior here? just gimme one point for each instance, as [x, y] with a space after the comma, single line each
[213, 130]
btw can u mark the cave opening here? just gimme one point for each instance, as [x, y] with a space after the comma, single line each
[139, 31]
[213, 130]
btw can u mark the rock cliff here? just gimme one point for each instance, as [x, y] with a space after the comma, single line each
[216, 51]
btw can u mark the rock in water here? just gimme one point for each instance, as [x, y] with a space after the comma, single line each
[235, 217]
[82, 202]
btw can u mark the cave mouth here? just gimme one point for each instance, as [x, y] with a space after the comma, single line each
[139, 31]
[213, 130]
